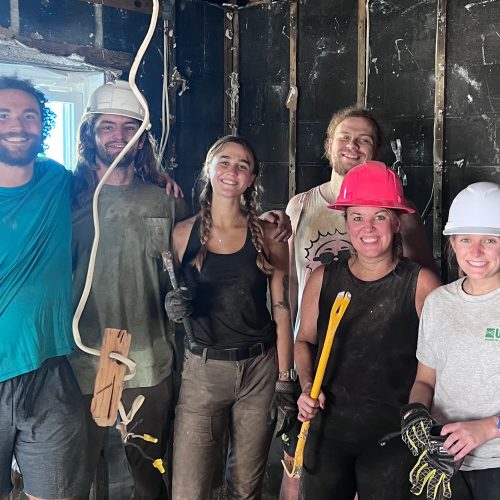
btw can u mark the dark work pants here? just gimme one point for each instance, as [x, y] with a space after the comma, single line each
[152, 418]
[335, 469]
[476, 485]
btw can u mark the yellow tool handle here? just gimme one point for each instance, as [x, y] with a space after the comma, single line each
[338, 308]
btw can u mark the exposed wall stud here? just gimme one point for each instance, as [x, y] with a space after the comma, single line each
[231, 68]
[439, 111]
[362, 52]
[292, 104]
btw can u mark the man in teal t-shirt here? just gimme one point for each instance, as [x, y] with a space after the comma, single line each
[42, 418]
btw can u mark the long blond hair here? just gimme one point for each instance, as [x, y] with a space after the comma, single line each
[248, 205]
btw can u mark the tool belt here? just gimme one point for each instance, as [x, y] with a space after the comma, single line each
[229, 354]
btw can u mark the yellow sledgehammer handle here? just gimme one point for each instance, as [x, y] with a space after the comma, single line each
[338, 308]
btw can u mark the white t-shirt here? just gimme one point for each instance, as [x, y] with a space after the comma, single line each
[459, 337]
[318, 230]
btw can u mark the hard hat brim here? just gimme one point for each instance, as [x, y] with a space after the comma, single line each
[372, 203]
[491, 231]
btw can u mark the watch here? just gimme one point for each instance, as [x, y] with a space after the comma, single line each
[291, 374]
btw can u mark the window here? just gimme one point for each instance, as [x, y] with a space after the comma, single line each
[68, 92]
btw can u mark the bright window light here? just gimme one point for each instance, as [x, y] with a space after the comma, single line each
[61, 144]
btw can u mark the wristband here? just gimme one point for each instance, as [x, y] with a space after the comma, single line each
[498, 422]
[291, 374]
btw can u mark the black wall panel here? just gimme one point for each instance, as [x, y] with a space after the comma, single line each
[123, 30]
[69, 21]
[264, 80]
[200, 110]
[327, 55]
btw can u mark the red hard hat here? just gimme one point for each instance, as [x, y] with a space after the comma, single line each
[371, 184]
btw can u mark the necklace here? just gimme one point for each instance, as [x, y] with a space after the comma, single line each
[215, 235]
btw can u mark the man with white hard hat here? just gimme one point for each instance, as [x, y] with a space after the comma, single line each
[136, 217]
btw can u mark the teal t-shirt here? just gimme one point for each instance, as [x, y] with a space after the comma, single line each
[35, 270]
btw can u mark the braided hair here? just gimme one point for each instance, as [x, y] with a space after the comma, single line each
[248, 205]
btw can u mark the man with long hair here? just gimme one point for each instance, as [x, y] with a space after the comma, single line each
[42, 420]
[136, 217]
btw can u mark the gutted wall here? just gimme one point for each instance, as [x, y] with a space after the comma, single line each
[400, 87]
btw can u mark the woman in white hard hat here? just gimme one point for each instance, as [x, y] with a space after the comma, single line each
[458, 377]
[372, 363]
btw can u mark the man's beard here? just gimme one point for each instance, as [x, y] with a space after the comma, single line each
[108, 158]
[21, 157]
[339, 169]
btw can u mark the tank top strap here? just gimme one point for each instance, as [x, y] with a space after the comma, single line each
[194, 244]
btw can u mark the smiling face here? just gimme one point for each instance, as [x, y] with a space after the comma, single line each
[478, 256]
[20, 128]
[353, 143]
[371, 230]
[112, 133]
[231, 170]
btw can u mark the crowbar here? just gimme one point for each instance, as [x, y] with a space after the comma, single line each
[338, 308]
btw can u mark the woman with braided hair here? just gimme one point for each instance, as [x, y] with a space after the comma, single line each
[237, 349]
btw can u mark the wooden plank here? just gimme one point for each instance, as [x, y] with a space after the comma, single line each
[362, 49]
[438, 147]
[102, 58]
[109, 380]
[143, 6]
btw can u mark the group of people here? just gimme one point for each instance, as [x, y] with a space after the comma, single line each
[408, 354]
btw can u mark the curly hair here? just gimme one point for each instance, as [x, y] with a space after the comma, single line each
[248, 204]
[85, 178]
[352, 112]
[47, 116]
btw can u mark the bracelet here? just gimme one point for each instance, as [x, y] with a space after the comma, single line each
[291, 374]
[498, 422]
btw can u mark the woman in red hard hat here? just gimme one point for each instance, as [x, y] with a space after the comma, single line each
[372, 363]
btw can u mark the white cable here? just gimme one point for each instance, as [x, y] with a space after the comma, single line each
[165, 106]
[90, 272]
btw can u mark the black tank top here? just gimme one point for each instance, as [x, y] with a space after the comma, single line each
[372, 364]
[229, 296]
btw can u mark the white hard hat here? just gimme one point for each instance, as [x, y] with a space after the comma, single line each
[475, 210]
[115, 98]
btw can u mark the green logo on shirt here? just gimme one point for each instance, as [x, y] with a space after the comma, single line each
[492, 334]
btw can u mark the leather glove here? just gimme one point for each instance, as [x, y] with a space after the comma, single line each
[283, 410]
[416, 422]
[434, 468]
[178, 304]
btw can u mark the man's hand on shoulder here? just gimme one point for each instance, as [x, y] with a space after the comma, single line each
[281, 220]
[171, 187]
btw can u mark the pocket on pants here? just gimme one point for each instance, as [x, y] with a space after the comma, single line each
[198, 429]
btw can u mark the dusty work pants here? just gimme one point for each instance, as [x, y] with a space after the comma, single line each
[215, 396]
[152, 418]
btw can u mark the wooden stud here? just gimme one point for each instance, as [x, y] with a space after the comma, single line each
[109, 380]
[362, 50]
[102, 58]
